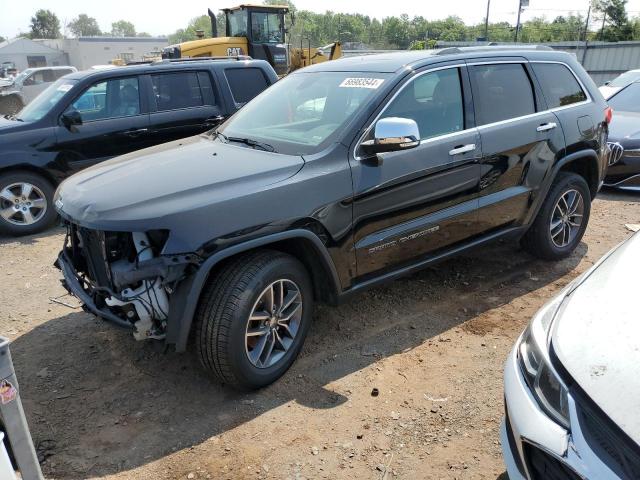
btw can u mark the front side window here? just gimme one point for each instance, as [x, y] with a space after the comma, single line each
[43, 103]
[434, 101]
[178, 90]
[626, 100]
[113, 98]
[39, 77]
[501, 92]
[237, 23]
[266, 27]
[304, 112]
[558, 84]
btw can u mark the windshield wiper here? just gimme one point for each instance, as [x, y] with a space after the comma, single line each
[13, 117]
[248, 141]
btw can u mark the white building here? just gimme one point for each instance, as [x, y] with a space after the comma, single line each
[25, 53]
[84, 52]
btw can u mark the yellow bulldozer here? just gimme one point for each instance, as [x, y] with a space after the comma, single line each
[259, 32]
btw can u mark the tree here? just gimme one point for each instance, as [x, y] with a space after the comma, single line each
[203, 22]
[143, 34]
[45, 24]
[122, 28]
[84, 26]
[615, 23]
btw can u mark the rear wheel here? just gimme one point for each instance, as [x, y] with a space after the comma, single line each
[253, 318]
[25, 203]
[10, 105]
[562, 220]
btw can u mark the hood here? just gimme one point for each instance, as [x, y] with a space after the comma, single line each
[625, 127]
[184, 179]
[596, 336]
[5, 82]
[607, 91]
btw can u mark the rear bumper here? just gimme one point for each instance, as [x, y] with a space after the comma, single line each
[73, 286]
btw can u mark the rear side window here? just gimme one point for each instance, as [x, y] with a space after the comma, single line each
[174, 91]
[245, 83]
[559, 86]
[61, 73]
[501, 92]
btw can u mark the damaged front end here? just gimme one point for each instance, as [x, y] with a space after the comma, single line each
[123, 277]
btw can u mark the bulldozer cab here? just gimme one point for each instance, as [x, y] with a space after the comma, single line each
[264, 28]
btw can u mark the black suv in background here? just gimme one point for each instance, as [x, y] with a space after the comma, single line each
[90, 116]
[340, 176]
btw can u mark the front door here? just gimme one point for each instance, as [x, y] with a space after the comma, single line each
[114, 122]
[36, 83]
[412, 203]
[520, 140]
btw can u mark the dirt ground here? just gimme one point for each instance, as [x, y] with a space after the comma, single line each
[101, 405]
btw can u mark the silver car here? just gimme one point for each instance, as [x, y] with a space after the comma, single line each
[572, 382]
[16, 93]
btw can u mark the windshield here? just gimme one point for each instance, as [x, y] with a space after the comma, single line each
[625, 79]
[626, 100]
[304, 112]
[41, 105]
[22, 75]
[266, 27]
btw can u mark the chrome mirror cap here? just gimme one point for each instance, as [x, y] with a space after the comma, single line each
[393, 134]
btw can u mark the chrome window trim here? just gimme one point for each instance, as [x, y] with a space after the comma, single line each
[487, 125]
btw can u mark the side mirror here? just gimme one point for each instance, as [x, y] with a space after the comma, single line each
[71, 119]
[391, 135]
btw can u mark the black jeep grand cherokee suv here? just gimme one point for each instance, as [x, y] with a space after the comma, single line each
[338, 177]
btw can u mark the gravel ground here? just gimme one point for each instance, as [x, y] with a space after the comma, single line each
[101, 405]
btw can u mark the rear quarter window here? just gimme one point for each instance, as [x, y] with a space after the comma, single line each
[559, 85]
[245, 83]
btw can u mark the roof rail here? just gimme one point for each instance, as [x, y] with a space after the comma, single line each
[481, 48]
[200, 59]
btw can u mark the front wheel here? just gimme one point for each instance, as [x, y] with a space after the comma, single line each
[253, 318]
[562, 220]
[25, 203]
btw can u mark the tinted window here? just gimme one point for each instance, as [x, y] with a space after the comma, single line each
[109, 99]
[245, 83]
[434, 101]
[559, 86]
[626, 100]
[39, 77]
[61, 73]
[180, 90]
[501, 92]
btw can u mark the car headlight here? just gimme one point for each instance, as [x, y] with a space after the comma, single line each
[533, 357]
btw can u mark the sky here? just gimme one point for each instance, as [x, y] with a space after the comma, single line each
[164, 17]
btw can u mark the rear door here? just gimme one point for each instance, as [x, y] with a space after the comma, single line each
[115, 121]
[412, 203]
[520, 139]
[183, 104]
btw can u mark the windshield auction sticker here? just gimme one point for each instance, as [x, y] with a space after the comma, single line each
[65, 87]
[361, 83]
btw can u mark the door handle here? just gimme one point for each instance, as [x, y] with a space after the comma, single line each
[462, 149]
[136, 133]
[546, 126]
[213, 121]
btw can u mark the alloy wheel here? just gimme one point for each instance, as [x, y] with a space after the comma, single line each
[22, 204]
[273, 323]
[566, 218]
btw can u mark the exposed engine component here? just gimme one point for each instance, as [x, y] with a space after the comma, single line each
[149, 300]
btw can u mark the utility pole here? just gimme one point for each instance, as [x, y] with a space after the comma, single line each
[586, 32]
[486, 22]
[518, 21]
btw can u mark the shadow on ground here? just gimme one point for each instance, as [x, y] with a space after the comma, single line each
[99, 403]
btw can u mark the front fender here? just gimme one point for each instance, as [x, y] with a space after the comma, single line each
[185, 298]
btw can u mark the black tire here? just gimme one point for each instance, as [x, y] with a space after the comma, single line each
[10, 105]
[538, 239]
[225, 306]
[44, 221]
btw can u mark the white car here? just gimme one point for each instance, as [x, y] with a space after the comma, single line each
[18, 92]
[572, 382]
[618, 83]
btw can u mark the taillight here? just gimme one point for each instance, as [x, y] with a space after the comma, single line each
[608, 114]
